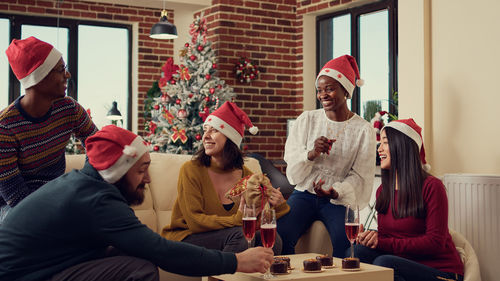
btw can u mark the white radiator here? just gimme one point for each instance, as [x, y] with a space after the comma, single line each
[474, 211]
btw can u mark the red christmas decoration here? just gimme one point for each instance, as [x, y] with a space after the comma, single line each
[214, 65]
[156, 107]
[156, 148]
[207, 99]
[200, 48]
[178, 101]
[208, 76]
[186, 45]
[197, 137]
[192, 57]
[182, 113]
[212, 91]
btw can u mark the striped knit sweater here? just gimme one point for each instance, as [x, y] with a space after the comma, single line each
[32, 149]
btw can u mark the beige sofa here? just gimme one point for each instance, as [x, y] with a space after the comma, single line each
[155, 211]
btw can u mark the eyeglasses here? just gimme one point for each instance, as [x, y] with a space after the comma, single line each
[62, 69]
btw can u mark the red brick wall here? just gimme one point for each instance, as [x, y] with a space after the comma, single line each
[152, 53]
[265, 32]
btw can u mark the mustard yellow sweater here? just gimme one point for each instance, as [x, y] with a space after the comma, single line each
[198, 208]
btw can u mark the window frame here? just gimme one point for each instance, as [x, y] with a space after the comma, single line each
[355, 13]
[16, 22]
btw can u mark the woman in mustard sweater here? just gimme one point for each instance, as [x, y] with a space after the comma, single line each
[202, 215]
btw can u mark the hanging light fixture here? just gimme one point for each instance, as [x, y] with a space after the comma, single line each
[114, 114]
[163, 29]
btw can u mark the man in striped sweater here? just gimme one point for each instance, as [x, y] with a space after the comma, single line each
[35, 128]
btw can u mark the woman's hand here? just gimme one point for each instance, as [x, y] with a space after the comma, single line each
[321, 145]
[368, 238]
[330, 193]
[276, 197]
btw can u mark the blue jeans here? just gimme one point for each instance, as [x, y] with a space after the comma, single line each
[4, 210]
[305, 208]
[404, 269]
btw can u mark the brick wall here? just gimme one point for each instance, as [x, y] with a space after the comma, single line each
[152, 53]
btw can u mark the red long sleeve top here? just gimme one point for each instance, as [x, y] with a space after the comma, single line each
[426, 240]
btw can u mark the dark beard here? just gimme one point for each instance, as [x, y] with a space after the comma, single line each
[132, 195]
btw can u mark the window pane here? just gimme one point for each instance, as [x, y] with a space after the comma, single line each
[103, 71]
[374, 61]
[4, 63]
[341, 36]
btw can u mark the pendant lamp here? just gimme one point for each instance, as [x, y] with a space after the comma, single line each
[163, 29]
[114, 113]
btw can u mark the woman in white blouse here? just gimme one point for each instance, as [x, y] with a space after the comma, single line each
[330, 156]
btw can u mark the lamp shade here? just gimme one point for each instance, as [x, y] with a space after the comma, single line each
[163, 29]
[114, 113]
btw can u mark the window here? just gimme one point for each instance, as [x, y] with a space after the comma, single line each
[369, 34]
[98, 56]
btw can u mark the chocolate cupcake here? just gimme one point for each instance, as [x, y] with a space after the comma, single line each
[312, 265]
[350, 263]
[325, 260]
[279, 266]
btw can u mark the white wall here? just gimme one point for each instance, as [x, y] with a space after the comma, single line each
[448, 66]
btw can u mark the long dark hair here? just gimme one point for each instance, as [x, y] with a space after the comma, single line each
[232, 156]
[407, 168]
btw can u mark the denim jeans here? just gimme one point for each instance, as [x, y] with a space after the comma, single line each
[404, 269]
[4, 210]
[305, 208]
[229, 239]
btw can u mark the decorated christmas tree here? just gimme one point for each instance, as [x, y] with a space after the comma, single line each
[178, 104]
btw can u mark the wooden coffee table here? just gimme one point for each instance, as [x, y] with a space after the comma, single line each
[368, 272]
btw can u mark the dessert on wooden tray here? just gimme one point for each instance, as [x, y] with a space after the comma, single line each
[312, 265]
[350, 264]
[283, 258]
[279, 267]
[326, 260]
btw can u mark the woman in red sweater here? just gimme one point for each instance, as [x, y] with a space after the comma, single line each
[412, 206]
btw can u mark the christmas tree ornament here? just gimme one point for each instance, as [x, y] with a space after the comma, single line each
[178, 101]
[197, 137]
[182, 114]
[200, 48]
[156, 107]
[208, 76]
[192, 57]
[214, 66]
[207, 99]
[186, 45]
[212, 91]
[246, 70]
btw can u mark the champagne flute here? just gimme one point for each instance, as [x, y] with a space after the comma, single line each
[352, 224]
[268, 232]
[249, 223]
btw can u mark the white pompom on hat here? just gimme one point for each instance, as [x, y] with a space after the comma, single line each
[112, 151]
[410, 128]
[31, 60]
[345, 70]
[230, 120]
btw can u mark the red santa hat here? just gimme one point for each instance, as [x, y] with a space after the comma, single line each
[230, 120]
[345, 70]
[413, 131]
[112, 151]
[31, 60]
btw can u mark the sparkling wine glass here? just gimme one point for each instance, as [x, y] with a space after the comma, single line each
[249, 223]
[268, 232]
[352, 224]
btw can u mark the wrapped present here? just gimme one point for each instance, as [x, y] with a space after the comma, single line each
[255, 188]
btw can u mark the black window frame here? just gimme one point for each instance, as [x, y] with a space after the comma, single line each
[17, 20]
[355, 13]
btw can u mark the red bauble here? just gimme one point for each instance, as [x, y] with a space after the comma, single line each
[156, 148]
[219, 86]
[178, 101]
[208, 76]
[186, 45]
[192, 57]
[156, 107]
[207, 99]
[206, 109]
[181, 114]
[214, 65]
[197, 137]
[200, 48]
[172, 82]
[212, 91]
[190, 95]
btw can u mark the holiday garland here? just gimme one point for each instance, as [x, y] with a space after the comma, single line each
[246, 70]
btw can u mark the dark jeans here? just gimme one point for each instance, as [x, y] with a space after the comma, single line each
[404, 269]
[305, 208]
[116, 268]
[228, 240]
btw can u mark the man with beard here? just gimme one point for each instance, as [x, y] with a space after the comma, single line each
[37, 126]
[64, 230]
